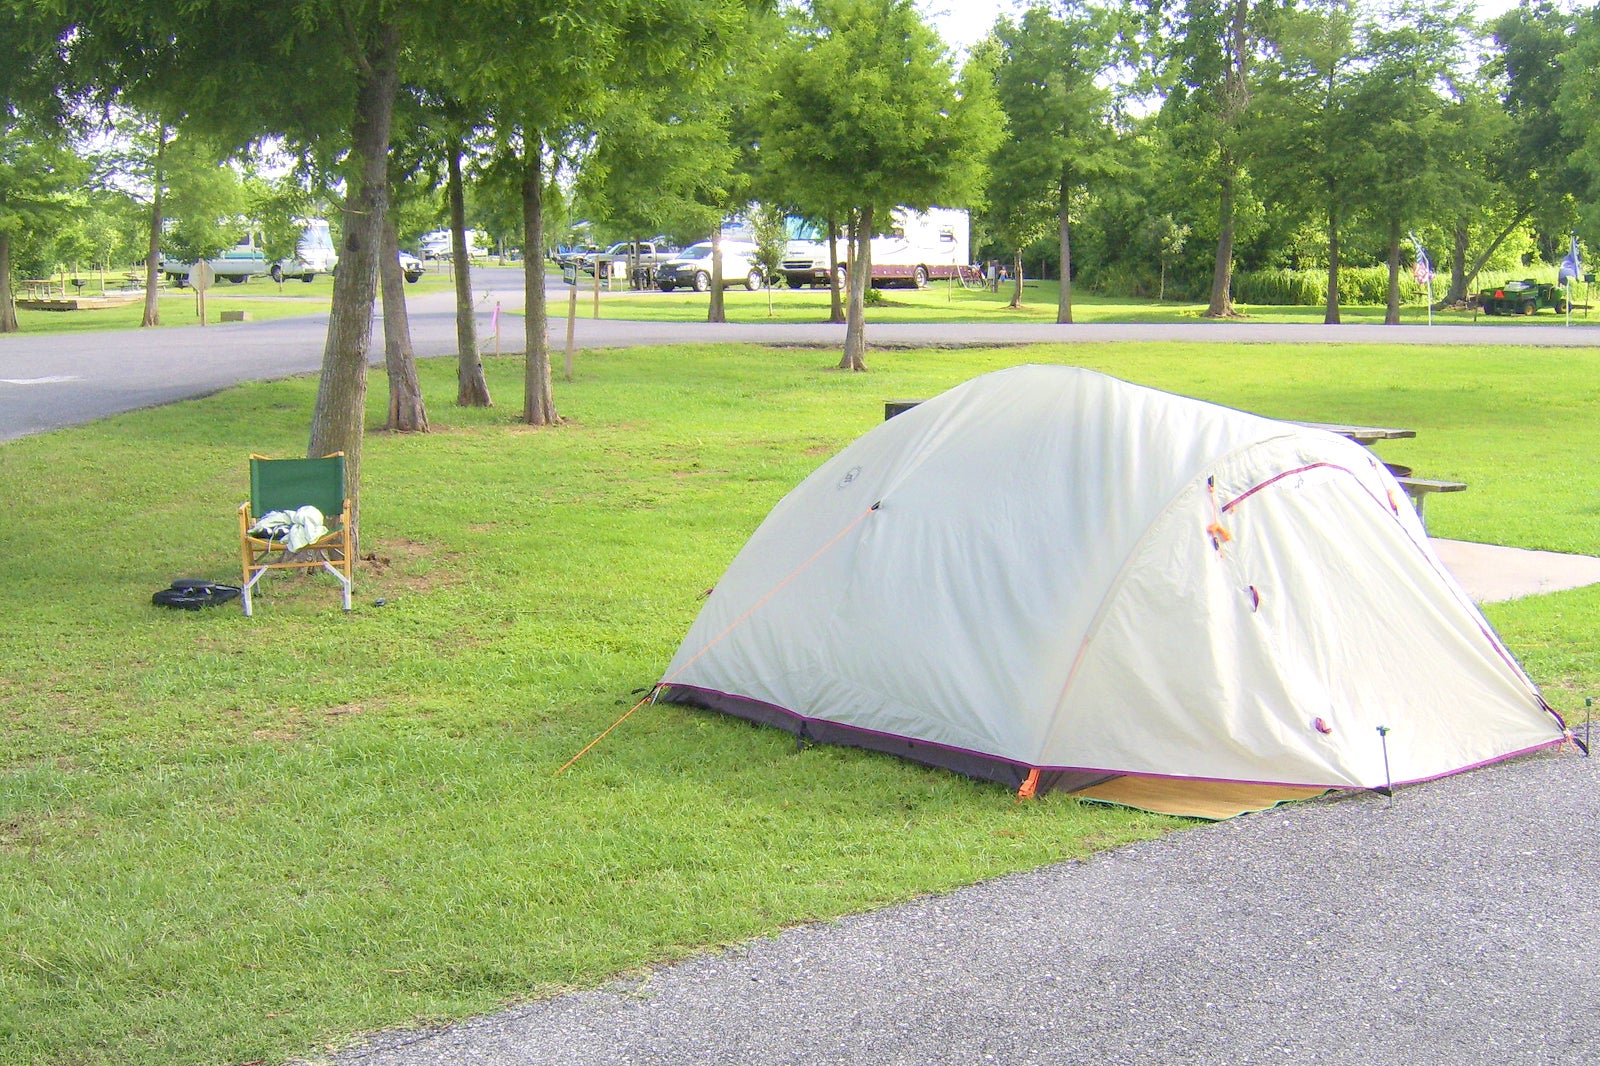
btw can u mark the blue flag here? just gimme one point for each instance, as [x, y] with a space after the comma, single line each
[1571, 266]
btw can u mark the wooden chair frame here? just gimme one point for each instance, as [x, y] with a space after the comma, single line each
[334, 552]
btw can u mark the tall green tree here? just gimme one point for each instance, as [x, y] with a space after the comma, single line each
[38, 175]
[682, 141]
[1311, 134]
[41, 181]
[552, 82]
[344, 63]
[866, 112]
[1415, 50]
[1052, 86]
[1207, 52]
[1530, 154]
[1578, 101]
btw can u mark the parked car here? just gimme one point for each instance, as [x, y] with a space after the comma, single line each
[692, 268]
[567, 254]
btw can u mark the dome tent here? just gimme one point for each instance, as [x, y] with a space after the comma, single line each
[1050, 578]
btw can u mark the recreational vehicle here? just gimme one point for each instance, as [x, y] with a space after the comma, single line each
[920, 246]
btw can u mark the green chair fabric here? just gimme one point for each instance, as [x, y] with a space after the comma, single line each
[285, 484]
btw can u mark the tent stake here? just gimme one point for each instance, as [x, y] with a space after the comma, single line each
[1388, 781]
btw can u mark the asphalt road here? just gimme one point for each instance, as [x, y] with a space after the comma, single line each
[54, 381]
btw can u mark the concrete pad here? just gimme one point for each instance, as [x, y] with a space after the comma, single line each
[1491, 573]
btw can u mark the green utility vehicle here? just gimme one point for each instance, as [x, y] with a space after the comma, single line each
[1522, 298]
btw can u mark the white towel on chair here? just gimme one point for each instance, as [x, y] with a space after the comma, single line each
[297, 528]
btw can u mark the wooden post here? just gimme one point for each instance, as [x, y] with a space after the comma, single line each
[200, 276]
[572, 325]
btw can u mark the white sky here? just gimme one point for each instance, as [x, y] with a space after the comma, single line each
[961, 22]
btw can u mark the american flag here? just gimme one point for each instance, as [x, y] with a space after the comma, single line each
[1423, 269]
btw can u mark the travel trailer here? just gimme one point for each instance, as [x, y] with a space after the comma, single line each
[314, 254]
[920, 246]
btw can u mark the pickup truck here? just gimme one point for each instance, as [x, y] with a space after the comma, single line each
[636, 260]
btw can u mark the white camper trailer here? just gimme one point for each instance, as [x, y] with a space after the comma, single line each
[920, 246]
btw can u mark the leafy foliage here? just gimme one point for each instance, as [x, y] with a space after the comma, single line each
[1308, 288]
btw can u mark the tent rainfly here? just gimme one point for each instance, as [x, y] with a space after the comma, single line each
[1050, 578]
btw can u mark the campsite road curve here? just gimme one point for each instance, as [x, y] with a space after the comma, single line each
[1457, 926]
[48, 382]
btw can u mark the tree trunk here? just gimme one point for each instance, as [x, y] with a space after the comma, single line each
[1064, 232]
[716, 312]
[471, 388]
[1221, 305]
[1330, 314]
[855, 329]
[538, 401]
[1469, 274]
[1391, 312]
[1458, 263]
[338, 422]
[836, 298]
[152, 258]
[1016, 291]
[1235, 101]
[8, 303]
[406, 411]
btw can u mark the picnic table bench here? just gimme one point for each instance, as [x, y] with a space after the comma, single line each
[1418, 489]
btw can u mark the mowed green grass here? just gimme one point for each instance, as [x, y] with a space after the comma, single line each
[226, 840]
[940, 302]
[261, 298]
[943, 302]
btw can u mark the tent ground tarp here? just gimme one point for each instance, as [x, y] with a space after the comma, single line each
[1214, 800]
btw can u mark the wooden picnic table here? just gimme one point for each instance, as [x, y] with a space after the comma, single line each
[1418, 489]
[1361, 434]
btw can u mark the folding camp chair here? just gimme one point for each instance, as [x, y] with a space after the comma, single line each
[286, 485]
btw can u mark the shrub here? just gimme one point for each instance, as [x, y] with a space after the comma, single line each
[1308, 288]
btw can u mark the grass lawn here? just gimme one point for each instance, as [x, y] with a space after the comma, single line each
[261, 297]
[941, 302]
[226, 840]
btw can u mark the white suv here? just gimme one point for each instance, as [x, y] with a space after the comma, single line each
[692, 267]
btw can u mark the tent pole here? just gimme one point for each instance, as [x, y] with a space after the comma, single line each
[1388, 781]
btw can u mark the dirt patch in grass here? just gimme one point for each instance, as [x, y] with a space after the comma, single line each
[403, 565]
